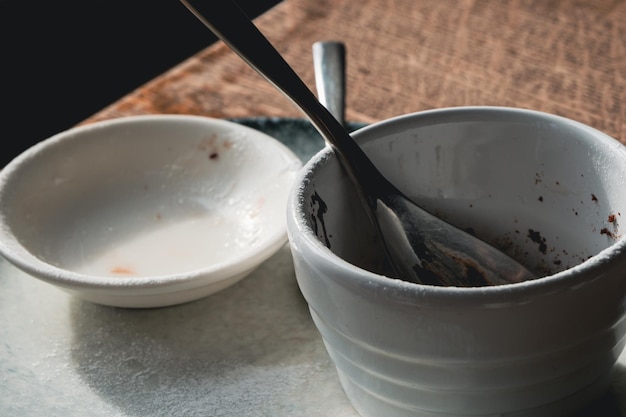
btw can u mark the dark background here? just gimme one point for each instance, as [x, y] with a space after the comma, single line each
[63, 60]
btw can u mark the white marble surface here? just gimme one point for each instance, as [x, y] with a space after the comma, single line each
[251, 350]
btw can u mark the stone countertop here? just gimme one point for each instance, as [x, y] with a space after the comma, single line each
[250, 350]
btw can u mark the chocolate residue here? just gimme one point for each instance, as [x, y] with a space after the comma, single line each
[594, 198]
[541, 241]
[605, 231]
[474, 277]
[426, 276]
[212, 146]
[319, 208]
[469, 274]
[612, 218]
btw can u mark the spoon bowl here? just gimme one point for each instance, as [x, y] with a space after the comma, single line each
[420, 247]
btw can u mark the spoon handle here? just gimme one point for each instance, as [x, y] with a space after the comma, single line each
[329, 63]
[233, 27]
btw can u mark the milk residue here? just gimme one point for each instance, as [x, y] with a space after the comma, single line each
[173, 247]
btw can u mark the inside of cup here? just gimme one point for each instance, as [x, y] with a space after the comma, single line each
[545, 190]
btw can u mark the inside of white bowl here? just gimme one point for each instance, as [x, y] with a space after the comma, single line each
[546, 190]
[156, 198]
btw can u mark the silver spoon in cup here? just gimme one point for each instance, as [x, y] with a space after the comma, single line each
[420, 247]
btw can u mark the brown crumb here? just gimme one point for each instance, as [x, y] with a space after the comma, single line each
[536, 237]
[605, 231]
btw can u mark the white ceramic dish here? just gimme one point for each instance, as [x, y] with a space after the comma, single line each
[546, 189]
[146, 211]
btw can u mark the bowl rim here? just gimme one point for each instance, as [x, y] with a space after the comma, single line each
[245, 259]
[303, 235]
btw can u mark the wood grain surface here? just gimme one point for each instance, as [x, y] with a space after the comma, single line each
[566, 57]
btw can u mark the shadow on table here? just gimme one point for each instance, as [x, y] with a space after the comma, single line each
[605, 406]
[608, 405]
[251, 349]
[248, 350]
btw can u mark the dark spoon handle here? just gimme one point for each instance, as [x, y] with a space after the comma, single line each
[241, 35]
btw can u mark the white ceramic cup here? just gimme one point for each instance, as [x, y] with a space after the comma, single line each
[545, 189]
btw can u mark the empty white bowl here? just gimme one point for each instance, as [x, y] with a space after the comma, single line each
[548, 190]
[146, 211]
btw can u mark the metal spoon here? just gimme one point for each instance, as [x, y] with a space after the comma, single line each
[421, 247]
[329, 64]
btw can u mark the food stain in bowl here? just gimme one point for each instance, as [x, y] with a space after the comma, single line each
[122, 270]
[175, 246]
[213, 146]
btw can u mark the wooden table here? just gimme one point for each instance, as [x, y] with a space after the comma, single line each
[562, 57]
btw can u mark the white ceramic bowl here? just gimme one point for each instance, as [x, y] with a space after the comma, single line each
[547, 190]
[146, 211]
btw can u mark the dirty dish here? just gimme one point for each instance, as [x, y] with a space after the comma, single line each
[146, 211]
